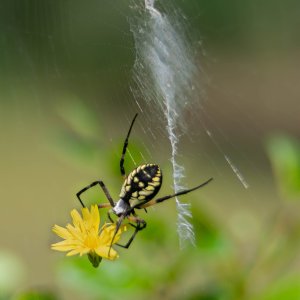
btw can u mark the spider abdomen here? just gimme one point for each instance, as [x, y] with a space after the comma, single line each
[142, 184]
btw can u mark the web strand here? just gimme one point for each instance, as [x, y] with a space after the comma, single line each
[164, 71]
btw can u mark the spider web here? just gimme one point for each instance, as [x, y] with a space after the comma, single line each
[53, 52]
[166, 73]
[165, 65]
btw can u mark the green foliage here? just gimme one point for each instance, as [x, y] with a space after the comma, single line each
[78, 139]
[284, 153]
[36, 295]
[154, 267]
[79, 118]
[208, 236]
[285, 288]
[111, 280]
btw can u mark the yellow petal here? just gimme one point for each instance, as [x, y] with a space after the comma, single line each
[62, 247]
[73, 252]
[86, 214]
[67, 243]
[95, 216]
[91, 219]
[84, 251]
[61, 231]
[75, 232]
[77, 220]
[103, 251]
[107, 234]
[87, 219]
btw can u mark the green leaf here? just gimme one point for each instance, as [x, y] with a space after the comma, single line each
[94, 259]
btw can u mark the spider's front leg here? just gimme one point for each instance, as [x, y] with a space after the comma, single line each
[140, 225]
[125, 148]
[109, 216]
[103, 187]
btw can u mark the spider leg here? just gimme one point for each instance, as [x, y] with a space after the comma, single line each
[141, 224]
[155, 201]
[105, 190]
[104, 205]
[125, 148]
[118, 225]
[109, 216]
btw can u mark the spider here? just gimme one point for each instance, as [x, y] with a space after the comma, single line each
[138, 190]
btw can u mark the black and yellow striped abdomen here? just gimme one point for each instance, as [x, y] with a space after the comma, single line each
[141, 185]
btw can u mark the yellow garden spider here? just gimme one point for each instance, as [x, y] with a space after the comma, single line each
[138, 190]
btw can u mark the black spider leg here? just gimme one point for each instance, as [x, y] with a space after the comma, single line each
[125, 148]
[105, 190]
[109, 216]
[174, 195]
[135, 218]
[140, 226]
[118, 225]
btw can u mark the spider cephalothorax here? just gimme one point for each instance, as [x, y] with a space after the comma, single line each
[137, 192]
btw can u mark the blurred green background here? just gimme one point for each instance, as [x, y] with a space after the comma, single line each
[65, 106]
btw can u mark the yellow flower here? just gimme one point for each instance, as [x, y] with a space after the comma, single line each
[84, 236]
